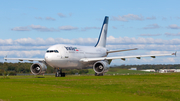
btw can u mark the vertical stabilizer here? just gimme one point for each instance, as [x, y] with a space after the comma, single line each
[103, 34]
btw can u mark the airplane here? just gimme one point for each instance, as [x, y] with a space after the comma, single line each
[64, 56]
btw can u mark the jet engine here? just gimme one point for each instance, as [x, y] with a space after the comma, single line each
[100, 67]
[38, 68]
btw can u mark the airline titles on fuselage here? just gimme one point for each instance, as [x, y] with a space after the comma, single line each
[71, 48]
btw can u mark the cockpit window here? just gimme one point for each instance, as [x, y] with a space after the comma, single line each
[56, 51]
[52, 51]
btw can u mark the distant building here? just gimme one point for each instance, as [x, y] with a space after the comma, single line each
[149, 70]
[133, 69]
[177, 70]
[168, 70]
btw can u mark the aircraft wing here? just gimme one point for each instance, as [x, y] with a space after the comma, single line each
[26, 59]
[113, 51]
[123, 57]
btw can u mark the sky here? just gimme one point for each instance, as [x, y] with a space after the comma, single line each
[29, 27]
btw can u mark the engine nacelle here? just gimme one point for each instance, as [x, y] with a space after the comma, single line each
[38, 68]
[100, 67]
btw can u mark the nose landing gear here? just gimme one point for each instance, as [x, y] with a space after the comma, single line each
[59, 73]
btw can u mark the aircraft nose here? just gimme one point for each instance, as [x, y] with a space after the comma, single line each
[47, 58]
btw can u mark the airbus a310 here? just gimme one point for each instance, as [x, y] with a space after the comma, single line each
[64, 56]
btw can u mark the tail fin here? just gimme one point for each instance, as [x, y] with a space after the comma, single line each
[103, 34]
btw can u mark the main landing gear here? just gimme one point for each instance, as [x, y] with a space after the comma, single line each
[59, 73]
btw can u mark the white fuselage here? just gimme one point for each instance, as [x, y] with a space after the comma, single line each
[68, 56]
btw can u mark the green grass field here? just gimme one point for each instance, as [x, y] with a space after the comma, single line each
[146, 87]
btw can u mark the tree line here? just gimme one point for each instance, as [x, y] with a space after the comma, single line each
[14, 68]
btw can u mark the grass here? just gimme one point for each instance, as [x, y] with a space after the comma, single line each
[158, 87]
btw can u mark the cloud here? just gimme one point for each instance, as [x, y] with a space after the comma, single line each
[151, 18]
[30, 41]
[39, 18]
[34, 27]
[152, 26]
[22, 54]
[172, 34]
[6, 42]
[178, 18]
[70, 14]
[173, 26]
[50, 18]
[164, 18]
[42, 28]
[61, 15]
[68, 28]
[47, 18]
[128, 17]
[127, 40]
[149, 34]
[45, 29]
[88, 41]
[20, 29]
[114, 27]
[89, 28]
[142, 41]
[23, 48]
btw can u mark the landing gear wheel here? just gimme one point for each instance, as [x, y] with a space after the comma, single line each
[63, 74]
[59, 73]
[56, 75]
